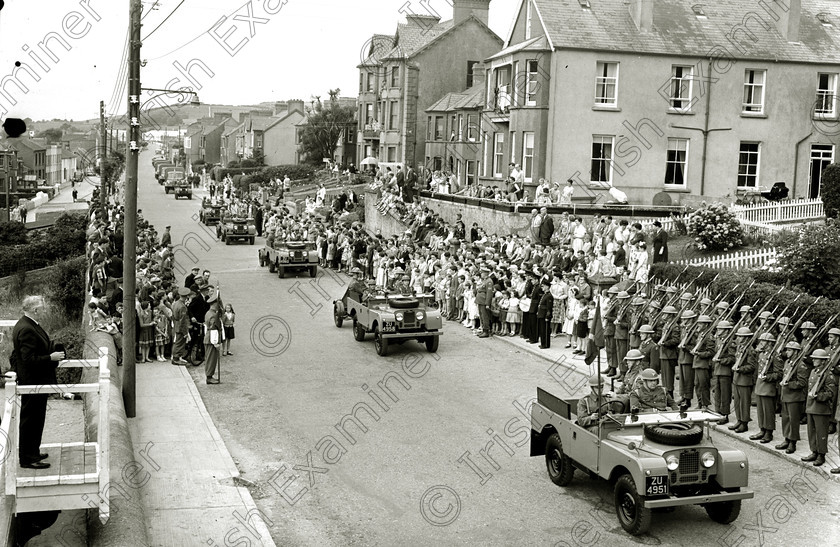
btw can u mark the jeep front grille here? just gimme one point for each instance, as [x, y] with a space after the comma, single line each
[689, 471]
[409, 319]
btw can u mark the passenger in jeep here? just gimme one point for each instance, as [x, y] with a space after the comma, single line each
[357, 290]
[650, 395]
[591, 408]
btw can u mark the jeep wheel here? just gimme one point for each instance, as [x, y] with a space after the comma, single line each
[313, 271]
[432, 343]
[338, 313]
[272, 267]
[676, 434]
[358, 331]
[281, 271]
[633, 516]
[724, 512]
[379, 343]
[558, 464]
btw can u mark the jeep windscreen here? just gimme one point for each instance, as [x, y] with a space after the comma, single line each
[658, 417]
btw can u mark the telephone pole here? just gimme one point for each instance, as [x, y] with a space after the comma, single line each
[130, 241]
[103, 154]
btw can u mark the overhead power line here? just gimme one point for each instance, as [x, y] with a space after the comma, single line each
[171, 13]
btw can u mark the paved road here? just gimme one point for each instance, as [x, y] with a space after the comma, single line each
[394, 478]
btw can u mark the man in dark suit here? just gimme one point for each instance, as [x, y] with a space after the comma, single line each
[544, 312]
[189, 281]
[546, 227]
[660, 244]
[35, 362]
[401, 181]
[410, 185]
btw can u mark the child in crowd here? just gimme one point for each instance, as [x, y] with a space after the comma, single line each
[572, 314]
[469, 304]
[582, 326]
[228, 320]
[504, 306]
[514, 315]
[161, 326]
[459, 299]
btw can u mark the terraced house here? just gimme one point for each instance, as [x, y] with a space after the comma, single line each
[666, 99]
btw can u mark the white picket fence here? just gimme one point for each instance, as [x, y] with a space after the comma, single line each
[740, 260]
[782, 211]
[667, 223]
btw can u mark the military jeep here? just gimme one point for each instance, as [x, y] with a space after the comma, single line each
[285, 256]
[210, 213]
[183, 189]
[654, 459]
[393, 319]
[237, 228]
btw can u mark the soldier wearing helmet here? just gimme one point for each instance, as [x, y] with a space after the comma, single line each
[648, 348]
[703, 349]
[818, 406]
[628, 383]
[746, 314]
[635, 312]
[649, 395]
[832, 349]
[792, 387]
[706, 306]
[668, 346]
[809, 329]
[722, 370]
[769, 374]
[609, 332]
[622, 332]
[686, 358]
[721, 308]
[589, 408]
[743, 378]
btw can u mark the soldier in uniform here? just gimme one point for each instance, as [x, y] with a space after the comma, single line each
[685, 358]
[743, 377]
[649, 395]
[634, 312]
[703, 349]
[765, 323]
[634, 362]
[769, 373]
[668, 342]
[357, 289]
[746, 315]
[722, 363]
[648, 348]
[589, 409]
[721, 309]
[793, 384]
[832, 349]
[705, 306]
[818, 406]
[484, 297]
[609, 332]
[622, 331]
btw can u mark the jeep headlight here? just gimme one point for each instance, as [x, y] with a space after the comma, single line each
[419, 315]
[708, 459]
[672, 462]
[399, 316]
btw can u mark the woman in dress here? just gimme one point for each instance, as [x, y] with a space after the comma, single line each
[560, 292]
[161, 326]
[147, 330]
[228, 320]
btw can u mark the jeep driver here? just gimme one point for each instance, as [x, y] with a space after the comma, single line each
[590, 408]
[358, 289]
[649, 395]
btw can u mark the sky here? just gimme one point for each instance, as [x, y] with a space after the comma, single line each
[230, 51]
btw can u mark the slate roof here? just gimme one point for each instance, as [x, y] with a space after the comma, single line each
[540, 43]
[471, 98]
[233, 129]
[409, 39]
[608, 26]
[28, 143]
[378, 46]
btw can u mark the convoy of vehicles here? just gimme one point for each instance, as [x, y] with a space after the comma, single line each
[237, 229]
[286, 256]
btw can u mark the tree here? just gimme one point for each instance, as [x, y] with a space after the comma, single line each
[830, 190]
[809, 258]
[324, 125]
[258, 156]
[52, 135]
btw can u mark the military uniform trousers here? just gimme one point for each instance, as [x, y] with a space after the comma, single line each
[686, 380]
[818, 433]
[833, 418]
[703, 386]
[621, 349]
[612, 351]
[668, 367]
[179, 346]
[211, 359]
[743, 403]
[791, 414]
[722, 388]
[766, 407]
[544, 329]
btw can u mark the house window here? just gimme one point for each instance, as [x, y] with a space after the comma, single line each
[748, 165]
[676, 162]
[528, 155]
[471, 73]
[361, 81]
[606, 84]
[528, 21]
[369, 113]
[392, 153]
[516, 100]
[498, 154]
[754, 91]
[429, 124]
[513, 147]
[681, 77]
[531, 82]
[394, 117]
[503, 88]
[472, 172]
[460, 136]
[437, 164]
[371, 78]
[439, 120]
[453, 129]
[826, 95]
[602, 157]
[395, 76]
[472, 128]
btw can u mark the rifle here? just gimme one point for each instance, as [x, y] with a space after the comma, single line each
[673, 299]
[806, 349]
[728, 339]
[755, 335]
[766, 304]
[785, 337]
[666, 330]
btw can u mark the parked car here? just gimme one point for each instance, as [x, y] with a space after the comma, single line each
[285, 256]
[654, 459]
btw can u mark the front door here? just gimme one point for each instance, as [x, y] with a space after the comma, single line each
[821, 156]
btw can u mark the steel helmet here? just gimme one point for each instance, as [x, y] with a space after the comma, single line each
[596, 380]
[767, 337]
[745, 309]
[723, 305]
[765, 315]
[634, 354]
[834, 331]
[648, 374]
[808, 325]
[671, 290]
[793, 344]
[623, 295]
[687, 296]
[705, 302]
[744, 331]
[820, 354]
[724, 325]
[613, 290]
[670, 309]
[655, 305]
[688, 314]
[660, 287]
[704, 319]
[637, 301]
[784, 320]
[646, 329]
[355, 271]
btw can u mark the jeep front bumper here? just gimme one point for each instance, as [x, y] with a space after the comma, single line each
[673, 501]
[420, 334]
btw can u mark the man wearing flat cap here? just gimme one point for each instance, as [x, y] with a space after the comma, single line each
[212, 337]
[483, 298]
[181, 331]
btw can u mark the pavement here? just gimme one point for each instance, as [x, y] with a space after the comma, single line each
[45, 214]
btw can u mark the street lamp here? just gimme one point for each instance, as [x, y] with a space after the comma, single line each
[193, 102]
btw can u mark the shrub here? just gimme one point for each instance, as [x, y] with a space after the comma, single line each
[66, 238]
[68, 286]
[12, 233]
[830, 191]
[810, 258]
[714, 228]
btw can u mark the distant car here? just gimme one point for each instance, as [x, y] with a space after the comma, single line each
[237, 228]
[393, 319]
[183, 190]
[654, 459]
[210, 213]
[284, 256]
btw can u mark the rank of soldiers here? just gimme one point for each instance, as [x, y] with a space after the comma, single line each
[735, 351]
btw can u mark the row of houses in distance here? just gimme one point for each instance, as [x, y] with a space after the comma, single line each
[666, 100]
[28, 163]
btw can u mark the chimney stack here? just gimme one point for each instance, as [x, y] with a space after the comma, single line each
[790, 16]
[642, 13]
[296, 104]
[479, 74]
[464, 8]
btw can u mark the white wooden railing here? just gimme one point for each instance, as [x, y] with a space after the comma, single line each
[782, 211]
[739, 260]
